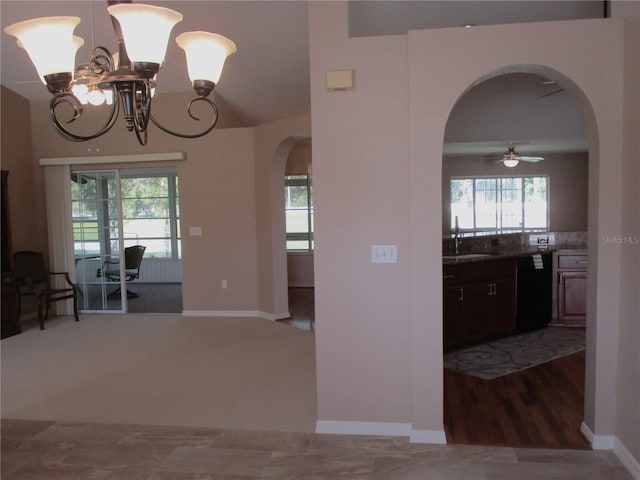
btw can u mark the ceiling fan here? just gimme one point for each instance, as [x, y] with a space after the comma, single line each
[511, 158]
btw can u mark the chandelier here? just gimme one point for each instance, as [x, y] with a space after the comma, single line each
[125, 80]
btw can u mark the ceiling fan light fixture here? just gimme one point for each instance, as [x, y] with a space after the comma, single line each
[510, 162]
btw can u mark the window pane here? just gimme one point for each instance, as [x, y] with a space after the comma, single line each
[506, 204]
[511, 205]
[297, 221]
[462, 203]
[298, 212]
[485, 203]
[536, 207]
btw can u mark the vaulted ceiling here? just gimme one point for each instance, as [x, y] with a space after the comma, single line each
[268, 77]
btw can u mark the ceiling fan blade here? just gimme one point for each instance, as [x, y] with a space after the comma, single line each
[531, 159]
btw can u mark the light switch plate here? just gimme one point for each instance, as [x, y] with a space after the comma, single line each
[195, 231]
[384, 254]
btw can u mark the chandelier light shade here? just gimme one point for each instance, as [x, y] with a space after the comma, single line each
[49, 42]
[206, 53]
[125, 80]
[146, 30]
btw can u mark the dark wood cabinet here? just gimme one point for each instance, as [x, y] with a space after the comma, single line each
[479, 301]
[571, 287]
[10, 320]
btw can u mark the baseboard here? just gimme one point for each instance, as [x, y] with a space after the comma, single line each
[598, 442]
[389, 429]
[274, 316]
[363, 428]
[428, 436]
[612, 442]
[626, 458]
[235, 313]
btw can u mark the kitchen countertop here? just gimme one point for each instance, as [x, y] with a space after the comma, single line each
[514, 252]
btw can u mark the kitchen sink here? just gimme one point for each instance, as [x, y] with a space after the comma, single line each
[466, 256]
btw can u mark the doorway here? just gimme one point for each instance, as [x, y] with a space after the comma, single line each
[117, 213]
[541, 406]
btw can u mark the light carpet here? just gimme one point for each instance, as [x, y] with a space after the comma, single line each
[518, 352]
[238, 373]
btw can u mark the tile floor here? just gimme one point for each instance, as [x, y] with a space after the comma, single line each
[34, 450]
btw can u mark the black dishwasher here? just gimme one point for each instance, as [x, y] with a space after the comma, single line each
[534, 291]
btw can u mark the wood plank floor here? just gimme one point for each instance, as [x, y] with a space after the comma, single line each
[538, 407]
[301, 308]
[541, 407]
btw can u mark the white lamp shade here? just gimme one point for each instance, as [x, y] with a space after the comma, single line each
[510, 162]
[145, 29]
[50, 43]
[206, 53]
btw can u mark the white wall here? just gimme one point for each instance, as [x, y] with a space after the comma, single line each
[379, 328]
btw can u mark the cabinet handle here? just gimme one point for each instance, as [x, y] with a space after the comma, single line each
[461, 296]
[582, 262]
[448, 276]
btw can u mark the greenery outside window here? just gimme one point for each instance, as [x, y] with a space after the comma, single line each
[149, 202]
[489, 205]
[299, 213]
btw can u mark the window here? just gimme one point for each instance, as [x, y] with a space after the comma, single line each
[299, 213]
[150, 213]
[500, 204]
[149, 205]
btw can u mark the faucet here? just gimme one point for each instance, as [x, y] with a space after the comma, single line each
[456, 238]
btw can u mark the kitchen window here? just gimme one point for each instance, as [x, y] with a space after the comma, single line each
[489, 205]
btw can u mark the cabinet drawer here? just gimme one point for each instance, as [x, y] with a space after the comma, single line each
[490, 270]
[572, 262]
[451, 275]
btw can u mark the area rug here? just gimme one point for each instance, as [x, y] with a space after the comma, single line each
[512, 354]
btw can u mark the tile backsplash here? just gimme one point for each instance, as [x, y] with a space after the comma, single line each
[514, 242]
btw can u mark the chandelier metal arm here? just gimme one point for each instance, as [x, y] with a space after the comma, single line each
[68, 98]
[195, 135]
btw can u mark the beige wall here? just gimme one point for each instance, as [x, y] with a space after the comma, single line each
[568, 185]
[628, 378]
[379, 328]
[26, 196]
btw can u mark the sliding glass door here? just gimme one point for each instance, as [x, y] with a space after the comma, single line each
[97, 237]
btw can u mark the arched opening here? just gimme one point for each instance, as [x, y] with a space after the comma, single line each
[292, 232]
[540, 113]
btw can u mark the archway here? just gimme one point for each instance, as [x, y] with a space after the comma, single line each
[280, 277]
[519, 96]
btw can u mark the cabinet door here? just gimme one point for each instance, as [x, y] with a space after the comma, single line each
[453, 316]
[503, 318]
[572, 296]
[477, 311]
